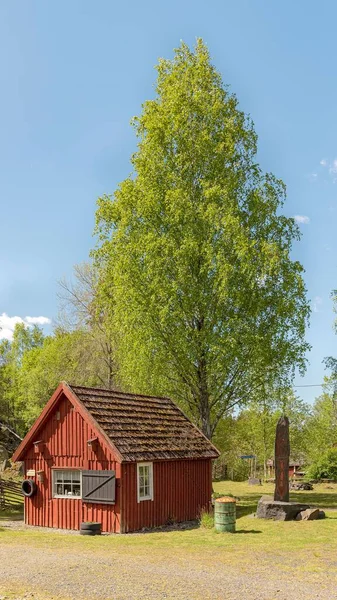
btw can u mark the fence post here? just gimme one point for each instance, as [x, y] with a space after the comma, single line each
[2, 495]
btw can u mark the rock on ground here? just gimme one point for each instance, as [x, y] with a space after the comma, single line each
[310, 514]
[268, 508]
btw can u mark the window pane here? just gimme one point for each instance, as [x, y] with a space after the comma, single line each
[144, 481]
[77, 490]
[67, 483]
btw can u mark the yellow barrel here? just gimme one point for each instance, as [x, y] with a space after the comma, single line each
[225, 514]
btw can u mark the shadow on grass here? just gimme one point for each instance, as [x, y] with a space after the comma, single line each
[184, 526]
[248, 531]
[243, 510]
[9, 515]
[319, 500]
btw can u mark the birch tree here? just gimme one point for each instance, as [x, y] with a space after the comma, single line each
[194, 253]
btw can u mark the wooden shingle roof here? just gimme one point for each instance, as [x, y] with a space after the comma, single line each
[144, 428]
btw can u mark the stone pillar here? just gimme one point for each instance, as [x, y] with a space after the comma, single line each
[282, 452]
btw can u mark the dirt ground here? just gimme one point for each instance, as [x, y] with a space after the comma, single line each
[58, 568]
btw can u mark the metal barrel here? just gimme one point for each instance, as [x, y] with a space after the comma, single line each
[225, 514]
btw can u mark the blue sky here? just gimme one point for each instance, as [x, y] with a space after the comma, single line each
[74, 73]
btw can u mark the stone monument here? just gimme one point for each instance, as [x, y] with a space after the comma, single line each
[282, 453]
[280, 508]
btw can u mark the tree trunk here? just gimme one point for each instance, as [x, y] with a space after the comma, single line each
[205, 419]
[203, 399]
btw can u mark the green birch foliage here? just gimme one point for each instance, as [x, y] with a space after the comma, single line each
[322, 426]
[194, 255]
[25, 339]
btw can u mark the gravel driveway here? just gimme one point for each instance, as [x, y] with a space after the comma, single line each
[123, 574]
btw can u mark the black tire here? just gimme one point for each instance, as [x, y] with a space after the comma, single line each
[28, 487]
[91, 527]
[87, 532]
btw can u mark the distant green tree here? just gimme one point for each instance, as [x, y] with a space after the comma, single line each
[324, 467]
[194, 255]
[253, 430]
[72, 356]
[5, 409]
[299, 414]
[331, 361]
[12, 355]
[81, 351]
[80, 312]
[322, 425]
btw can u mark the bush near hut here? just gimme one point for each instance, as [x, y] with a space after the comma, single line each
[325, 467]
[207, 519]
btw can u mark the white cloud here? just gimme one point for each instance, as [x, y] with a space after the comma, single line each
[302, 219]
[37, 320]
[7, 324]
[331, 165]
[317, 303]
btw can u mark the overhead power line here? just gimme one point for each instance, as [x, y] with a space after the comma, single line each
[311, 385]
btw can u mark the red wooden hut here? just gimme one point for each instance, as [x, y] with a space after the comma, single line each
[124, 460]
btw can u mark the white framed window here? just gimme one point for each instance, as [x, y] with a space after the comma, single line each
[67, 483]
[144, 481]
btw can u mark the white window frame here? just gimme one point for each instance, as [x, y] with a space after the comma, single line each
[69, 497]
[150, 495]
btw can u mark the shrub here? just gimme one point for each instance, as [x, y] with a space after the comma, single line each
[324, 467]
[206, 519]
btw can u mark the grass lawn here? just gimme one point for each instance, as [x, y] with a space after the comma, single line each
[305, 550]
[323, 495]
[252, 532]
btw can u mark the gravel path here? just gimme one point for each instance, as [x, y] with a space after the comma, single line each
[120, 574]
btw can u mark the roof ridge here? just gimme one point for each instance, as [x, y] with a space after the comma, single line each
[114, 391]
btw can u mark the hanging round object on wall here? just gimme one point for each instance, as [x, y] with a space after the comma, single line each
[28, 488]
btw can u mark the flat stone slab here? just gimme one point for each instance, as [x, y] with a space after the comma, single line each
[268, 508]
[311, 514]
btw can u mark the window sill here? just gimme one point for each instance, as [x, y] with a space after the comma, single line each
[68, 497]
